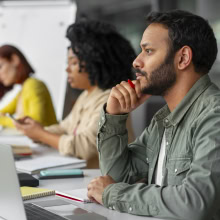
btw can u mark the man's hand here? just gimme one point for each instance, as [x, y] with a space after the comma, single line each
[124, 99]
[30, 128]
[96, 188]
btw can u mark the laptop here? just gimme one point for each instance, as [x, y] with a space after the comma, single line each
[12, 206]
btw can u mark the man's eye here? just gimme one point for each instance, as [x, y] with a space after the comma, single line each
[149, 51]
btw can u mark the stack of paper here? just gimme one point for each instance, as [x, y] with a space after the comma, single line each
[10, 132]
[21, 150]
[18, 140]
[36, 164]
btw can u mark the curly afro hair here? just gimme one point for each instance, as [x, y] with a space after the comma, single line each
[107, 55]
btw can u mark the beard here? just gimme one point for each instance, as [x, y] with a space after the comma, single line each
[161, 79]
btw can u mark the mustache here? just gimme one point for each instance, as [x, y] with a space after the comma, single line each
[135, 70]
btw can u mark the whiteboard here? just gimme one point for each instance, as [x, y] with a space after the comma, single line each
[38, 29]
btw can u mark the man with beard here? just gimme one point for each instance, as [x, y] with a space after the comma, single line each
[172, 170]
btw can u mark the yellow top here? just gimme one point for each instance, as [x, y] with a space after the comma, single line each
[35, 102]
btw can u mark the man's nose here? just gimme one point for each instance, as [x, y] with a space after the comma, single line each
[138, 63]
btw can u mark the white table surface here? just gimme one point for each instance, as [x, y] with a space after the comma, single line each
[69, 184]
[39, 152]
[76, 183]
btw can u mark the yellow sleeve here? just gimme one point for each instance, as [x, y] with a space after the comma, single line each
[10, 108]
[37, 103]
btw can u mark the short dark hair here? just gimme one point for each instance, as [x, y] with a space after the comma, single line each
[25, 70]
[107, 55]
[187, 29]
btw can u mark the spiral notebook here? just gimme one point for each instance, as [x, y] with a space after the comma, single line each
[33, 192]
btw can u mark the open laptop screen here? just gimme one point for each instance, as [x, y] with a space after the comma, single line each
[11, 204]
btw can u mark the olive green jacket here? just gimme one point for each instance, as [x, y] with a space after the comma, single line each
[191, 168]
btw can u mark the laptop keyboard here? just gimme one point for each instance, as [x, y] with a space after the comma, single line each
[34, 212]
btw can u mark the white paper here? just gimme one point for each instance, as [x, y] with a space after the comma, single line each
[34, 165]
[79, 194]
[14, 139]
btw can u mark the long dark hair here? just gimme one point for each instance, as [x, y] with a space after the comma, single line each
[24, 69]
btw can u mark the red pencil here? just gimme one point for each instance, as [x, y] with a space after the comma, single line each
[131, 84]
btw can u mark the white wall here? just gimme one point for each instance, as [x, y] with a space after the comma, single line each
[38, 28]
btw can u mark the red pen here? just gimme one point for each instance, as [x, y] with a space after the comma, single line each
[131, 84]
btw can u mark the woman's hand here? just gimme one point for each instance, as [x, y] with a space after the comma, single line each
[30, 128]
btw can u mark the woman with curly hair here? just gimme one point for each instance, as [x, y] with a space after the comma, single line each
[98, 59]
[34, 99]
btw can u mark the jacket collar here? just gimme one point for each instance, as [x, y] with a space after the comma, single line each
[178, 113]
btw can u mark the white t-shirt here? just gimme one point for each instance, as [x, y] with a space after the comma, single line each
[159, 169]
[10, 95]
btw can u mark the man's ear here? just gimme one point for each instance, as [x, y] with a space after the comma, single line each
[184, 57]
[15, 60]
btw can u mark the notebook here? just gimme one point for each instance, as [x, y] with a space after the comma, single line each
[79, 195]
[21, 150]
[33, 192]
[36, 164]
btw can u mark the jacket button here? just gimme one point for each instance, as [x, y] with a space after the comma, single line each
[175, 170]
